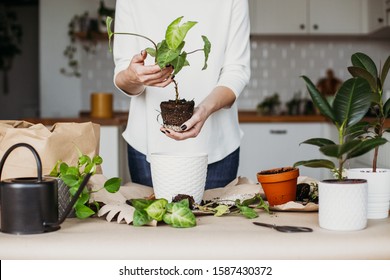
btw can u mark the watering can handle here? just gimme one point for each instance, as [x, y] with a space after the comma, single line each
[31, 148]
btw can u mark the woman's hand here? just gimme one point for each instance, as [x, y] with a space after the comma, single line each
[191, 128]
[137, 75]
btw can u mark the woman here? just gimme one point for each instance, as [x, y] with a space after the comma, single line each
[214, 127]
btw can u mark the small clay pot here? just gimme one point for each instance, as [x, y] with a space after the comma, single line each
[175, 113]
[279, 184]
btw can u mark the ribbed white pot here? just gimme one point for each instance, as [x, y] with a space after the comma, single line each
[174, 174]
[378, 190]
[342, 205]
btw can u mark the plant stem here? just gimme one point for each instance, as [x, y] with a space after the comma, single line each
[176, 90]
[135, 34]
[198, 50]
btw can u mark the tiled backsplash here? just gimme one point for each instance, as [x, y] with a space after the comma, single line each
[276, 62]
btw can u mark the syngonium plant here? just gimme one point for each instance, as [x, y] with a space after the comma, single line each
[351, 103]
[170, 51]
[364, 67]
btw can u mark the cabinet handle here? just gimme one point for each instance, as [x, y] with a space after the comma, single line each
[278, 131]
[380, 20]
[302, 26]
[315, 26]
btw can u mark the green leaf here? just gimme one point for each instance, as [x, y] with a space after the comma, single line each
[352, 101]
[364, 61]
[181, 216]
[319, 101]
[248, 212]
[72, 170]
[385, 70]
[109, 31]
[156, 210]
[318, 142]
[83, 198]
[221, 209]
[151, 52]
[83, 211]
[140, 218]
[84, 159]
[175, 33]
[90, 168]
[366, 146]
[54, 172]
[70, 180]
[386, 108]
[113, 185]
[206, 50]
[179, 62]
[316, 163]
[363, 73]
[98, 160]
[140, 204]
[63, 168]
[165, 55]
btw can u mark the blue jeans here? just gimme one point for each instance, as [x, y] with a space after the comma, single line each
[219, 173]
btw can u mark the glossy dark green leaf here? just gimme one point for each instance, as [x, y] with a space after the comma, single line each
[364, 61]
[352, 101]
[386, 108]
[363, 73]
[319, 101]
[316, 163]
[385, 70]
[318, 142]
[366, 146]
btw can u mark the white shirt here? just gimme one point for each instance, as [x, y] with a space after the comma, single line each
[226, 24]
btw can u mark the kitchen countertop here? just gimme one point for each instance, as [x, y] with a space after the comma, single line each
[120, 118]
[229, 237]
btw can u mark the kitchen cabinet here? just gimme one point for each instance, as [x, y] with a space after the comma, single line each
[376, 14]
[113, 150]
[266, 146]
[306, 17]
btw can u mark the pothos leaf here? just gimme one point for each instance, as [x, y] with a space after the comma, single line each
[83, 211]
[112, 185]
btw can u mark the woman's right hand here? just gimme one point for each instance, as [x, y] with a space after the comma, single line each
[137, 75]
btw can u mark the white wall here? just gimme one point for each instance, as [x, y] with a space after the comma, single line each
[60, 96]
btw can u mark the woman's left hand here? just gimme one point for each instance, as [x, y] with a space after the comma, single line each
[191, 128]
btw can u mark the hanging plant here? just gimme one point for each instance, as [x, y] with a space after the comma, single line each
[10, 42]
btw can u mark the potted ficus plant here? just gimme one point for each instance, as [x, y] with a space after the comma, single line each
[342, 201]
[378, 178]
[170, 52]
[72, 177]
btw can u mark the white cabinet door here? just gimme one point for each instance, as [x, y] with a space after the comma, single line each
[376, 14]
[335, 16]
[278, 16]
[266, 146]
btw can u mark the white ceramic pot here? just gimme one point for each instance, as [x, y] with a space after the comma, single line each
[174, 174]
[378, 190]
[342, 205]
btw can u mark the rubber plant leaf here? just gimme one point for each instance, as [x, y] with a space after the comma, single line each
[319, 101]
[316, 163]
[176, 33]
[318, 142]
[366, 146]
[386, 109]
[385, 70]
[363, 73]
[352, 101]
[364, 61]
[337, 151]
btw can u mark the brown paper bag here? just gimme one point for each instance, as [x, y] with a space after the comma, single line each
[52, 144]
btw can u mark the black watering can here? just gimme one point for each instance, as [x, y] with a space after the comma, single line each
[30, 205]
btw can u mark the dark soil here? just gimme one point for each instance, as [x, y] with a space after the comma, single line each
[180, 197]
[175, 113]
[276, 170]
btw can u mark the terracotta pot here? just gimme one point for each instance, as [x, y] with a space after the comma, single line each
[279, 184]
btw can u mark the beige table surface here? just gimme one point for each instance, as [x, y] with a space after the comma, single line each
[228, 237]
